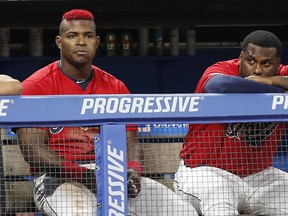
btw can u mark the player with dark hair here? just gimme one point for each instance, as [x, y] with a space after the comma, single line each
[226, 168]
[62, 159]
[263, 39]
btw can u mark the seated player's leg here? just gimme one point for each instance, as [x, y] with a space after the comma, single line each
[157, 199]
[211, 191]
[268, 194]
[54, 198]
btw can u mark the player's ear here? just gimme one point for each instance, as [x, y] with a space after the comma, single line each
[279, 60]
[58, 41]
[97, 41]
[241, 54]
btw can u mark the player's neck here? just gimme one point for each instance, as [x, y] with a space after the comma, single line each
[81, 73]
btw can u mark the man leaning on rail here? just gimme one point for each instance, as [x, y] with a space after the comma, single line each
[226, 169]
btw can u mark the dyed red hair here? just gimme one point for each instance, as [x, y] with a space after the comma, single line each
[78, 14]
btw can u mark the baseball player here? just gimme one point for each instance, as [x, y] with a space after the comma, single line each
[226, 169]
[62, 159]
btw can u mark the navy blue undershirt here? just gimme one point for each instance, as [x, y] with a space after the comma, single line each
[235, 84]
[82, 83]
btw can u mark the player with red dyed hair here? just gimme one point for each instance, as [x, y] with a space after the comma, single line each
[77, 14]
[62, 159]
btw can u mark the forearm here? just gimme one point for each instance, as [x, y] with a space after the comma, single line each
[11, 87]
[33, 144]
[280, 81]
[234, 84]
[57, 166]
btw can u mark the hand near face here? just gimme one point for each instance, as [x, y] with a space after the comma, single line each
[263, 80]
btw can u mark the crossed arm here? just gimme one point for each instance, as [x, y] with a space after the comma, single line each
[279, 81]
[251, 84]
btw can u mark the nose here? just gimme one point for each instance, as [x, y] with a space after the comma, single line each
[81, 40]
[258, 70]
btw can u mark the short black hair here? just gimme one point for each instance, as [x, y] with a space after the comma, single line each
[263, 38]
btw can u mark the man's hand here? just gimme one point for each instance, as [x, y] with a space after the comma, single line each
[263, 80]
[89, 180]
[278, 81]
[134, 185]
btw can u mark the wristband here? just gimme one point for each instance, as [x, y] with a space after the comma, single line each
[72, 170]
[135, 165]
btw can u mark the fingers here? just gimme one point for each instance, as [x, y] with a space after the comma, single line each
[130, 181]
[134, 186]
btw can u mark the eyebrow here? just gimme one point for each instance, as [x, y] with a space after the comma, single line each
[77, 32]
[253, 57]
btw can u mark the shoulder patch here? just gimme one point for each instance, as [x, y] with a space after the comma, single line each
[55, 130]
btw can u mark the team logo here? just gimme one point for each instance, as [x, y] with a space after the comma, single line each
[55, 130]
[253, 133]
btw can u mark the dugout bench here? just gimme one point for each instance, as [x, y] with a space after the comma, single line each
[16, 182]
[161, 145]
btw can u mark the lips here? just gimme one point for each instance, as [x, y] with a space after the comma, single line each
[81, 52]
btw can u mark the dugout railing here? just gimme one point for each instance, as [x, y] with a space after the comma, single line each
[112, 113]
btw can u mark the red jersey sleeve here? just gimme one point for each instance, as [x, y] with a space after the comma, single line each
[225, 68]
[283, 70]
[31, 88]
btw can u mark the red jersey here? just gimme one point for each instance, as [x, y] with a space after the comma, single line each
[74, 143]
[240, 148]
